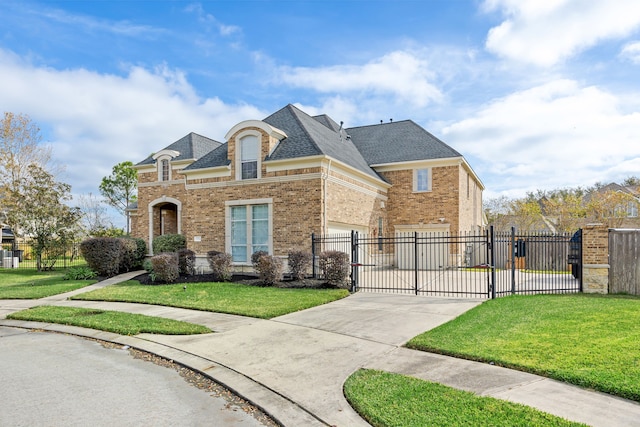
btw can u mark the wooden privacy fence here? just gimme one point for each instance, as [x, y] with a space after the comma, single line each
[624, 265]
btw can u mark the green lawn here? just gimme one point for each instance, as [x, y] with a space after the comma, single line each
[589, 340]
[232, 298]
[31, 284]
[386, 399]
[110, 321]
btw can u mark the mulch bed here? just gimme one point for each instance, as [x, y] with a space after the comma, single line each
[244, 279]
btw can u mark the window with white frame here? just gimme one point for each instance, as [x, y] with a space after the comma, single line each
[165, 170]
[422, 180]
[249, 149]
[250, 225]
[632, 209]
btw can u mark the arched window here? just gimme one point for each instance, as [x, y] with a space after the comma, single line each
[249, 149]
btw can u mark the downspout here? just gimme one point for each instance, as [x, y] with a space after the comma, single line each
[324, 197]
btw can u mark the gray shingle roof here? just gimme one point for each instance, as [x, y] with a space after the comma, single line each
[191, 146]
[358, 147]
[217, 157]
[308, 136]
[401, 141]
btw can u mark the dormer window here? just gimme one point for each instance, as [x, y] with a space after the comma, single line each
[165, 170]
[249, 149]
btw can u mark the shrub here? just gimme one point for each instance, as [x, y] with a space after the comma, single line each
[103, 255]
[79, 273]
[335, 267]
[169, 243]
[255, 257]
[147, 265]
[220, 264]
[299, 263]
[140, 252]
[270, 269]
[128, 259]
[187, 261]
[165, 267]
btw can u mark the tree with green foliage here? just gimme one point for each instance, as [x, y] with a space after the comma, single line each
[120, 188]
[20, 147]
[43, 216]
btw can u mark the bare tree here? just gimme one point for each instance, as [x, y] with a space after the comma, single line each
[95, 219]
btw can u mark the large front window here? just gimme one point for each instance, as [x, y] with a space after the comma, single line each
[249, 231]
[249, 157]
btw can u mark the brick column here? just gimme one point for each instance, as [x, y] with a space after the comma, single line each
[595, 259]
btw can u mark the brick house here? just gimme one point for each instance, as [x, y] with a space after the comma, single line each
[276, 181]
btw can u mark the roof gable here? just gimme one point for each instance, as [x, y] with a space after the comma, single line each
[191, 146]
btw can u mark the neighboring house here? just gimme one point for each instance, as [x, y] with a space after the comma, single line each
[276, 181]
[626, 204]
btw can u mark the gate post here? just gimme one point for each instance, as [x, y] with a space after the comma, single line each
[354, 261]
[595, 256]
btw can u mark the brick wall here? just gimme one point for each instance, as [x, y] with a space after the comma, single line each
[595, 258]
[405, 207]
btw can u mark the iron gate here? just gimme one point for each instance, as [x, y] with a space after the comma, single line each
[472, 265]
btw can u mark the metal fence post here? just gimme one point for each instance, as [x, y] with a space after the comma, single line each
[313, 255]
[513, 260]
[415, 261]
[492, 249]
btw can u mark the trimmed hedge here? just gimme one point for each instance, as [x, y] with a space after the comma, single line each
[169, 243]
[103, 254]
[165, 267]
[187, 261]
[220, 264]
[108, 256]
[299, 264]
[270, 269]
[335, 268]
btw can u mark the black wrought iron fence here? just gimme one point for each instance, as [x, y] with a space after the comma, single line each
[22, 255]
[478, 265]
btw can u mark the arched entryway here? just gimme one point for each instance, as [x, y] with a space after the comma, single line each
[165, 217]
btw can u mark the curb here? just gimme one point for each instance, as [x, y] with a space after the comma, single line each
[280, 408]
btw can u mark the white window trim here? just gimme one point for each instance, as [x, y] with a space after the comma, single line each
[429, 180]
[159, 162]
[238, 160]
[227, 232]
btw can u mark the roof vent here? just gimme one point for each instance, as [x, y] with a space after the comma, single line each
[390, 120]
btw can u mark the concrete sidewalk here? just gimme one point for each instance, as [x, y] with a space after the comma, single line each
[294, 366]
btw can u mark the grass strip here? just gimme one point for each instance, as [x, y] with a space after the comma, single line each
[110, 321]
[589, 340]
[31, 284]
[230, 298]
[386, 399]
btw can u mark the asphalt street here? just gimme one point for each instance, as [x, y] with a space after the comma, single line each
[49, 379]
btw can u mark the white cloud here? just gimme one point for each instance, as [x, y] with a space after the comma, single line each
[94, 121]
[546, 32]
[404, 77]
[210, 21]
[555, 135]
[631, 51]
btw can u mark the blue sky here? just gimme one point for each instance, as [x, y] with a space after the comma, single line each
[535, 94]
